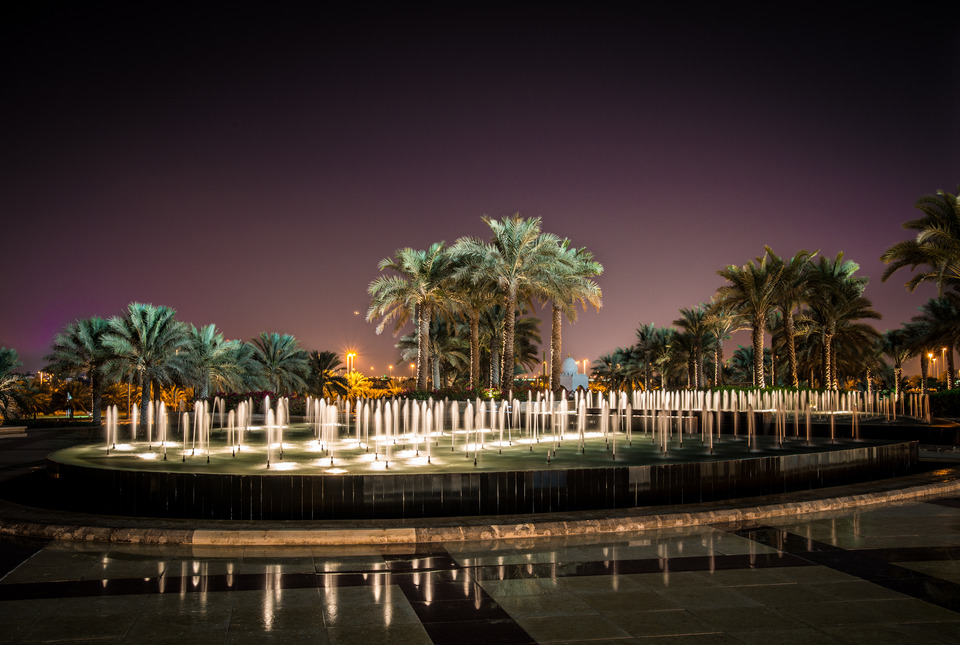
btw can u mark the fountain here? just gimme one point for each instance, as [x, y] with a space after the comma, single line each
[405, 458]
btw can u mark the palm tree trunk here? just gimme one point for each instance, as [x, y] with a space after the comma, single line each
[950, 369]
[474, 319]
[423, 345]
[717, 357]
[827, 361]
[773, 367]
[646, 371]
[897, 375]
[145, 398]
[495, 348]
[506, 376]
[924, 363]
[788, 334]
[555, 349]
[759, 322]
[435, 361]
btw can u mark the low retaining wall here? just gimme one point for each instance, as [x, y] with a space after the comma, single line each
[382, 496]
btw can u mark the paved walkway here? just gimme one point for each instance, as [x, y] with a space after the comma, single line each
[879, 573]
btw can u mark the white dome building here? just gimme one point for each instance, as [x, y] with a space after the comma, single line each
[570, 377]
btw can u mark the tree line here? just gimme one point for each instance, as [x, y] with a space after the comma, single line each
[817, 315]
[467, 301]
[148, 348]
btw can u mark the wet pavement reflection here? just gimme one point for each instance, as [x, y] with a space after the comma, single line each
[890, 574]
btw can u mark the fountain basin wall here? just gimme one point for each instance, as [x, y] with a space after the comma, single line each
[282, 496]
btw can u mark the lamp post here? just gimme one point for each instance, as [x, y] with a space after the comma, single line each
[351, 361]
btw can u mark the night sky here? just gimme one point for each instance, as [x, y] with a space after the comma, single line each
[249, 168]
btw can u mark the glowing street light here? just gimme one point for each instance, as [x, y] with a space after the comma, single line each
[351, 361]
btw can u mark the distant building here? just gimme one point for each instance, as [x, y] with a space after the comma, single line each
[570, 378]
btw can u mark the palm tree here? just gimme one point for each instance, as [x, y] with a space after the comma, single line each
[790, 293]
[836, 299]
[743, 364]
[471, 301]
[695, 323]
[220, 366]
[148, 344]
[617, 370]
[936, 246]
[282, 363]
[722, 320]
[323, 375]
[651, 341]
[518, 260]
[896, 345]
[565, 288]
[447, 351]
[10, 382]
[79, 351]
[940, 318]
[526, 338]
[419, 287]
[753, 292]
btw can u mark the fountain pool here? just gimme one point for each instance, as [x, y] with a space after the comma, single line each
[401, 462]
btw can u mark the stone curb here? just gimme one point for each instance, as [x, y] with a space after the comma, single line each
[467, 532]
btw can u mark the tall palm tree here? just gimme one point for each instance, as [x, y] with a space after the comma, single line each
[722, 320]
[835, 299]
[323, 375]
[752, 289]
[518, 259]
[221, 365]
[936, 247]
[470, 301]
[282, 363]
[791, 290]
[695, 322]
[418, 286]
[150, 345]
[566, 287]
[79, 351]
[896, 345]
[652, 341]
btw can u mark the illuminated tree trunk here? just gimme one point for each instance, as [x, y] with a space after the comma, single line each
[423, 346]
[555, 349]
[474, 318]
[506, 375]
[759, 322]
[791, 348]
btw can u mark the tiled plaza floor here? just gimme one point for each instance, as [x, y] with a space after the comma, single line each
[883, 574]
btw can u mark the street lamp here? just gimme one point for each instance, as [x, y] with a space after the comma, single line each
[351, 361]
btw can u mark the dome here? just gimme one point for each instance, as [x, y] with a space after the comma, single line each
[569, 366]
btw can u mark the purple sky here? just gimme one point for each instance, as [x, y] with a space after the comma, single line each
[251, 170]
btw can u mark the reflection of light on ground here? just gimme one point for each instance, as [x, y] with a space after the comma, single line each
[405, 454]
[283, 465]
[149, 456]
[123, 446]
[335, 471]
